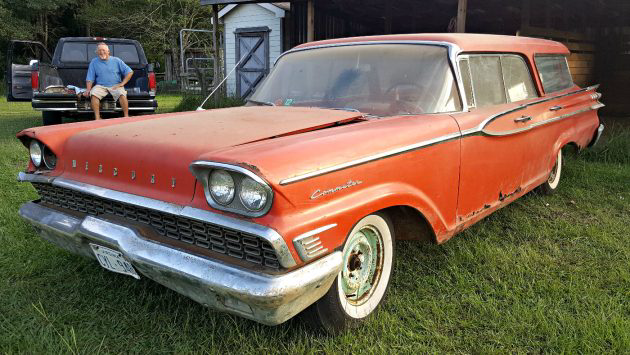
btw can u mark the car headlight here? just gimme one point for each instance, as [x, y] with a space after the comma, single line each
[221, 187]
[35, 149]
[253, 195]
[50, 159]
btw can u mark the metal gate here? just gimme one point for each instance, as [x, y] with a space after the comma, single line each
[252, 45]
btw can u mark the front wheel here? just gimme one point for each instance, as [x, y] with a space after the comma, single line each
[550, 186]
[360, 287]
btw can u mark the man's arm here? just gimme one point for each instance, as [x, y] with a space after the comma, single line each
[88, 88]
[124, 81]
[89, 79]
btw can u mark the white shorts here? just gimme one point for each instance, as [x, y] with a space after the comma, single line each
[101, 91]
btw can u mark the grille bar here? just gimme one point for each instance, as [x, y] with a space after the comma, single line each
[188, 231]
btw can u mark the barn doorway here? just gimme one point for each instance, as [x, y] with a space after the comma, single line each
[252, 47]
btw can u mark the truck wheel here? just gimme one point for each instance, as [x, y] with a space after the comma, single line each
[51, 118]
[368, 259]
[550, 186]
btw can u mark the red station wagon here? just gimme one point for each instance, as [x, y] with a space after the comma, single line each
[295, 200]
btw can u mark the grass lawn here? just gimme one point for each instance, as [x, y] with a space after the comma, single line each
[545, 274]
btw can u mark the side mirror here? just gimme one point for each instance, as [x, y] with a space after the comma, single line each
[34, 63]
[150, 67]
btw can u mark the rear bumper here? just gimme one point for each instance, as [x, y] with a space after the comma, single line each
[83, 106]
[268, 299]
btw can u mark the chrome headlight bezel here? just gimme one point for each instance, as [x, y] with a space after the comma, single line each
[203, 170]
[36, 156]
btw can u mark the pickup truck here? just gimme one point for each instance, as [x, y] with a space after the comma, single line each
[34, 75]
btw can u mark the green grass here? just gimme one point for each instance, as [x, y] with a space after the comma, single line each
[545, 274]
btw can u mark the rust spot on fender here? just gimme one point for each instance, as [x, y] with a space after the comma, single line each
[503, 197]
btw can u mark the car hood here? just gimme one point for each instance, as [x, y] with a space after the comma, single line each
[150, 157]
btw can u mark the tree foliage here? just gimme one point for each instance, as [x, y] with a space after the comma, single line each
[155, 23]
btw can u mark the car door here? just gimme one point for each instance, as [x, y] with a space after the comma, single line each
[494, 151]
[20, 55]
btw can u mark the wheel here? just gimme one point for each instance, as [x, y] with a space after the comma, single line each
[360, 287]
[51, 118]
[550, 186]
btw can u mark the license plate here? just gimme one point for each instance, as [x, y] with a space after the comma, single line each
[113, 260]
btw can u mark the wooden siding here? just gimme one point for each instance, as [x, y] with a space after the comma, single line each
[245, 16]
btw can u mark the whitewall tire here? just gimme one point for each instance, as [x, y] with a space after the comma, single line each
[550, 186]
[360, 287]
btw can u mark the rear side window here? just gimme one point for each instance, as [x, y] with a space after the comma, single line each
[495, 79]
[554, 72]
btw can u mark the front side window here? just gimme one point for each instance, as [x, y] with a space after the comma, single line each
[554, 72]
[495, 79]
[378, 79]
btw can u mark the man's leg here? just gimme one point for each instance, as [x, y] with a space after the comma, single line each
[96, 106]
[124, 104]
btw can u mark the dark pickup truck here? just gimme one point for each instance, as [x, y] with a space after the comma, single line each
[34, 75]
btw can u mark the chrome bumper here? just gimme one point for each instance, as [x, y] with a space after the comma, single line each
[268, 299]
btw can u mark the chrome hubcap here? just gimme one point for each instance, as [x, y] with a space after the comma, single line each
[362, 265]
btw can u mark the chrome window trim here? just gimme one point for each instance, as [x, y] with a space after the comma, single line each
[478, 130]
[453, 51]
[500, 55]
[202, 169]
[274, 238]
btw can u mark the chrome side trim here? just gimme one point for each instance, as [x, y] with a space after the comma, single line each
[542, 123]
[371, 158]
[468, 132]
[269, 299]
[308, 245]
[202, 169]
[282, 250]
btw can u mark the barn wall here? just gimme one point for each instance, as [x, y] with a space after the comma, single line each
[244, 16]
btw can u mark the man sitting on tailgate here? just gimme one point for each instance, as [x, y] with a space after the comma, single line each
[108, 75]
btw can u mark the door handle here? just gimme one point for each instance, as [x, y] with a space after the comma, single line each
[556, 108]
[522, 119]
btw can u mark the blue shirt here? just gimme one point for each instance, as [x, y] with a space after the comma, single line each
[107, 72]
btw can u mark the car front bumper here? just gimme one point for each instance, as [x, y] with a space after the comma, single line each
[265, 298]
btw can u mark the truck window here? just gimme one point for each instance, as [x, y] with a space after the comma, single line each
[126, 52]
[554, 72]
[74, 52]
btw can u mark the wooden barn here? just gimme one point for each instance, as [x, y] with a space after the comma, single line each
[596, 31]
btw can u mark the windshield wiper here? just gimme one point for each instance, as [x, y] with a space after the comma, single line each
[261, 103]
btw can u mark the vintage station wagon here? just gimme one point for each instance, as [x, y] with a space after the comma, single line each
[295, 200]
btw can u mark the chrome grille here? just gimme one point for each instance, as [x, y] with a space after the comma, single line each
[199, 234]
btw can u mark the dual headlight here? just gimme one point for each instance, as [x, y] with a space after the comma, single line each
[252, 195]
[233, 188]
[41, 155]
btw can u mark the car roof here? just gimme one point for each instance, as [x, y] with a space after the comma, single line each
[97, 39]
[467, 42]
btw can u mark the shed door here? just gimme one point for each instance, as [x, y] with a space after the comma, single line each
[252, 47]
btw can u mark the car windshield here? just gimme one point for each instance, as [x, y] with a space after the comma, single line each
[377, 79]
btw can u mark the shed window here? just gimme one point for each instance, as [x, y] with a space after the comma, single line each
[554, 72]
[495, 79]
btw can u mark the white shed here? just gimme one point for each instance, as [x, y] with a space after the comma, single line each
[253, 34]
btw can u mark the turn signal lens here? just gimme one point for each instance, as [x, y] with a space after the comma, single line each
[253, 195]
[35, 150]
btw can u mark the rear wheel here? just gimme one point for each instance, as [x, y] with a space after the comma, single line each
[360, 287]
[51, 118]
[550, 186]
